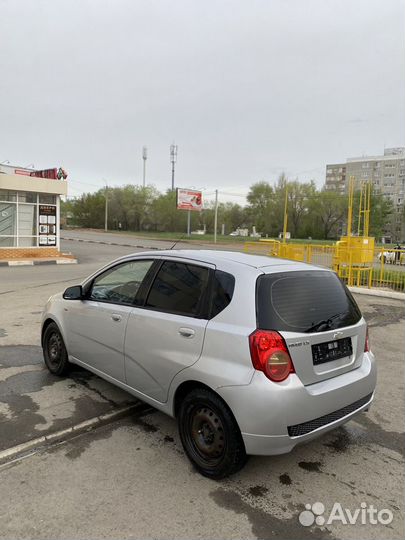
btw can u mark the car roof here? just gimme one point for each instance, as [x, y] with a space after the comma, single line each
[262, 262]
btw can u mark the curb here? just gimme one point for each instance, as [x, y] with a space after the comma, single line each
[37, 263]
[376, 292]
[67, 433]
[110, 243]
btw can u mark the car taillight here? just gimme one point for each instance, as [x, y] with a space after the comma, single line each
[367, 342]
[269, 354]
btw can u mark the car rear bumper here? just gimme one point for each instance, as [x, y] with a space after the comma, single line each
[282, 444]
[274, 418]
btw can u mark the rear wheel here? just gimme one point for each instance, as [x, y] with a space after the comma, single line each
[210, 435]
[55, 353]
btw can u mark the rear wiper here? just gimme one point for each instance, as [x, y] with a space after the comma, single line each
[326, 322]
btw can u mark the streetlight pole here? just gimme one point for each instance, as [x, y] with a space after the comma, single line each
[216, 217]
[106, 209]
[144, 157]
[173, 159]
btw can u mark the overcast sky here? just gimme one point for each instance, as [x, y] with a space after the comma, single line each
[246, 88]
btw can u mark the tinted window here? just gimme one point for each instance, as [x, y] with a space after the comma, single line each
[45, 198]
[312, 301]
[27, 197]
[222, 292]
[8, 195]
[178, 288]
[120, 284]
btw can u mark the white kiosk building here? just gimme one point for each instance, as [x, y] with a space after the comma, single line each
[30, 212]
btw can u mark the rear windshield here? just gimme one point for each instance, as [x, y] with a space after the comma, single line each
[304, 301]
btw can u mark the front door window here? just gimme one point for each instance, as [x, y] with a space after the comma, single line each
[120, 285]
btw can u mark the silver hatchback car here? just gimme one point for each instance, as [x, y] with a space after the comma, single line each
[252, 355]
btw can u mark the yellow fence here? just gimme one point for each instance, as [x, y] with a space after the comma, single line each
[360, 266]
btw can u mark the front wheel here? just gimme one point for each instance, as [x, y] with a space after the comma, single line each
[55, 353]
[210, 435]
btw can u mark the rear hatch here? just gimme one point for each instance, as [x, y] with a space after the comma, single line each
[318, 319]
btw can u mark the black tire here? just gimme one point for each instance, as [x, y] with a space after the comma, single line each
[210, 435]
[54, 350]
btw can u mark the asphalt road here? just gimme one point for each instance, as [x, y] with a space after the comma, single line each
[131, 479]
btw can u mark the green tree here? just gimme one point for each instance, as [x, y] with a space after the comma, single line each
[299, 195]
[381, 213]
[259, 212]
[88, 210]
[129, 205]
[164, 215]
[327, 210]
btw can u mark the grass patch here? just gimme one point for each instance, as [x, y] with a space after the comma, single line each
[394, 279]
[208, 238]
[173, 237]
[221, 239]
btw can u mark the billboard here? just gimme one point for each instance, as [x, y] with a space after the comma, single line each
[189, 199]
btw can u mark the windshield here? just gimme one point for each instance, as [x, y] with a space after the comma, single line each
[304, 301]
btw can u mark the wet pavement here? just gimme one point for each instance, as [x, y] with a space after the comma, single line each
[33, 402]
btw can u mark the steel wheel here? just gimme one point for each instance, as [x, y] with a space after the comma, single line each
[210, 435]
[55, 348]
[55, 354]
[207, 434]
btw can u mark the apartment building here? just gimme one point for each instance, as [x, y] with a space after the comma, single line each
[336, 177]
[387, 175]
[387, 172]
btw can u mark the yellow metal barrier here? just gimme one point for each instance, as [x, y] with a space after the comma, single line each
[272, 248]
[321, 255]
[389, 269]
[260, 249]
[295, 252]
[356, 260]
[353, 260]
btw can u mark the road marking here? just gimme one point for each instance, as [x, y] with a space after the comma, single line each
[21, 263]
[112, 243]
[62, 434]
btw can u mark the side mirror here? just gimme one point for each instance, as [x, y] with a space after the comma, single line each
[73, 293]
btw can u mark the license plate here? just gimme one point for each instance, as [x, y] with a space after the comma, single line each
[332, 350]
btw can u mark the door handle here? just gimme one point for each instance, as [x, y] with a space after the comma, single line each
[186, 332]
[116, 317]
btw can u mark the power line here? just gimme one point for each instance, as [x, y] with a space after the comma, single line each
[84, 183]
[232, 194]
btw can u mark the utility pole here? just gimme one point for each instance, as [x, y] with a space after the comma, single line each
[144, 157]
[350, 208]
[106, 209]
[188, 223]
[216, 216]
[285, 213]
[173, 159]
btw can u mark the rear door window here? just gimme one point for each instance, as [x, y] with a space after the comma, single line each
[179, 288]
[222, 291]
[304, 301]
